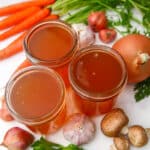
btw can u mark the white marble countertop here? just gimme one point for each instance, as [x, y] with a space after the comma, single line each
[139, 113]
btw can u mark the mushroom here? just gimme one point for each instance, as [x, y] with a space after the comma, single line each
[120, 143]
[113, 122]
[79, 129]
[138, 136]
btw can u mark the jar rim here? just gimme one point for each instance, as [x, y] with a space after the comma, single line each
[43, 118]
[58, 61]
[101, 96]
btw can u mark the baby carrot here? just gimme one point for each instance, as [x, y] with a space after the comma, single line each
[27, 23]
[13, 48]
[23, 5]
[17, 17]
[25, 63]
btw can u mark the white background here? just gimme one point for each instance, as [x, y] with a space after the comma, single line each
[139, 113]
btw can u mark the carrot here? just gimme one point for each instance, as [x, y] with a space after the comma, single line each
[13, 48]
[52, 17]
[25, 63]
[17, 17]
[23, 5]
[27, 23]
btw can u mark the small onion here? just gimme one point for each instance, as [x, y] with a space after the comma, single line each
[17, 139]
[97, 21]
[135, 49]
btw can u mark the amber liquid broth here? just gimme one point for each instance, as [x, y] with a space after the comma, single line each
[50, 42]
[96, 72]
[36, 94]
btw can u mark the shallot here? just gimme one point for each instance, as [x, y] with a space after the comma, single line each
[97, 20]
[17, 139]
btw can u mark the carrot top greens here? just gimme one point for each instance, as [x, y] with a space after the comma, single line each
[119, 12]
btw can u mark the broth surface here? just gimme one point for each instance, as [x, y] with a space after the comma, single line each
[35, 94]
[50, 42]
[97, 72]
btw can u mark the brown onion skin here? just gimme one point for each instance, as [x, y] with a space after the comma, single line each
[129, 48]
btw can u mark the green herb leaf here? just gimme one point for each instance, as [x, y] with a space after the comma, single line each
[122, 8]
[72, 147]
[142, 90]
[43, 144]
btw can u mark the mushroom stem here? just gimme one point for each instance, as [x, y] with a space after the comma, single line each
[124, 130]
[143, 58]
[112, 147]
[148, 132]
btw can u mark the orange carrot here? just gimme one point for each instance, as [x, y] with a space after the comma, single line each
[25, 63]
[27, 23]
[20, 6]
[13, 48]
[17, 17]
[52, 17]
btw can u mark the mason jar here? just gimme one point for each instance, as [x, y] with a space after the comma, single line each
[52, 43]
[35, 96]
[97, 75]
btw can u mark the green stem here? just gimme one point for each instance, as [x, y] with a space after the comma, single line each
[138, 6]
[106, 6]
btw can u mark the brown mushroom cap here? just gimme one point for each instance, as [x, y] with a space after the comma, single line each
[137, 136]
[121, 143]
[113, 122]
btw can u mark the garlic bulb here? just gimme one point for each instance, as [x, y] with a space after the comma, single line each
[85, 34]
[79, 129]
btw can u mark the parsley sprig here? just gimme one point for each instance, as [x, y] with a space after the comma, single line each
[43, 144]
[78, 10]
[142, 90]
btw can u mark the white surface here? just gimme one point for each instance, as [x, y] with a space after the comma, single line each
[138, 112]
